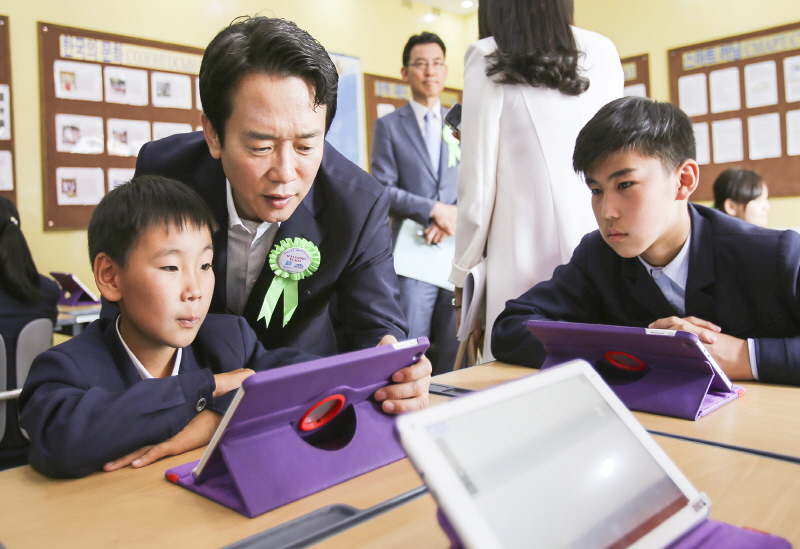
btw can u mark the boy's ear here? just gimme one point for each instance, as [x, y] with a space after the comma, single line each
[105, 276]
[212, 138]
[688, 179]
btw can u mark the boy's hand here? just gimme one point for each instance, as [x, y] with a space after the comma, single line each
[731, 353]
[197, 433]
[230, 381]
[705, 330]
[410, 389]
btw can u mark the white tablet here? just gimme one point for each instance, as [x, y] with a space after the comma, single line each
[552, 460]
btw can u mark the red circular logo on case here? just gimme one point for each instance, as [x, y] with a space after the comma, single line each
[625, 361]
[321, 413]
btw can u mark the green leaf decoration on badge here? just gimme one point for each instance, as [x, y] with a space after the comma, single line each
[453, 147]
[291, 260]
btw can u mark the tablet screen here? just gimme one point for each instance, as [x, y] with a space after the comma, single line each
[576, 478]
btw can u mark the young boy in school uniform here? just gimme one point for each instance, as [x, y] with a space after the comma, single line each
[658, 261]
[155, 380]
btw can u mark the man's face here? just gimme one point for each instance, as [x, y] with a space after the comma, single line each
[637, 205]
[426, 72]
[165, 289]
[274, 141]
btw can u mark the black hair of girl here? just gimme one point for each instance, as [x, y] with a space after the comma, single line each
[535, 44]
[739, 185]
[18, 274]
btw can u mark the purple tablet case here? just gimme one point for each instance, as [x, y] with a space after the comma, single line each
[677, 379]
[709, 534]
[78, 293]
[263, 460]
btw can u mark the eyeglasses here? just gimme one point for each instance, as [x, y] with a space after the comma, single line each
[423, 65]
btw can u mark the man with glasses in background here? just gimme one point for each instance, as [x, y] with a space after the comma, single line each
[416, 157]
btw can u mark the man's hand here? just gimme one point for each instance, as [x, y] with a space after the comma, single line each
[197, 432]
[731, 353]
[434, 234]
[230, 381]
[445, 216]
[410, 389]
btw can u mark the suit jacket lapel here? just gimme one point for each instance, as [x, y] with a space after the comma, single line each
[409, 124]
[699, 299]
[643, 288]
[127, 371]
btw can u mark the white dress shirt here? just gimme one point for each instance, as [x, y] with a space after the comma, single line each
[140, 369]
[248, 245]
[672, 278]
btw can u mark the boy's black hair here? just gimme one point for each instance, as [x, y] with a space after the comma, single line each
[18, 274]
[739, 185]
[651, 128]
[125, 213]
[264, 45]
[421, 38]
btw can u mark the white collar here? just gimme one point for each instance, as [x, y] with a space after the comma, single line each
[235, 221]
[143, 373]
[678, 269]
[421, 110]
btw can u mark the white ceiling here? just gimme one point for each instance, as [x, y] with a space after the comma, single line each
[451, 6]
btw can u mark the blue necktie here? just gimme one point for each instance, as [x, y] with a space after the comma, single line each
[432, 139]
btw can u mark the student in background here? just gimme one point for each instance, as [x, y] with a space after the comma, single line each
[25, 295]
[743, 194]
[659, 261]
[530, 84]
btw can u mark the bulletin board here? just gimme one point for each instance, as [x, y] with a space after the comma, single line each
[384, 95]
[8, 187]
[636, 70]
[743, 96]
[102, 97]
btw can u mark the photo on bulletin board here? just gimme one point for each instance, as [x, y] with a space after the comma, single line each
[104, 96]
[7, 186]
[743, 96]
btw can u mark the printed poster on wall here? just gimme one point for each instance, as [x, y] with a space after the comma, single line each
[79, 186]
[78, 134]
[171, 90]
[6, 171]
[75, 80]
[125, 86]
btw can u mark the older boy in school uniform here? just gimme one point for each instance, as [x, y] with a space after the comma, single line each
[658, 261]
[155, 380]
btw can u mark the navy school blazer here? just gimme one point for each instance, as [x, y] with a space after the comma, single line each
[742, 278]
[84, 404]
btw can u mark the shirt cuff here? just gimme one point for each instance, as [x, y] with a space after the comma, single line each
[751, 348]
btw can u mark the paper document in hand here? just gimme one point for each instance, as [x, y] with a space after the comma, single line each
[413, 258]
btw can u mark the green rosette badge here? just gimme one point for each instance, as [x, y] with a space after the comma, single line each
[292, 260]
[453, 147]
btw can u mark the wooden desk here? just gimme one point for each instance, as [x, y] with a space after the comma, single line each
[745, 490]
[766, 418]
[130, 508]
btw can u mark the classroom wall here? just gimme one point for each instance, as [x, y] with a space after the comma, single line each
[656, 27]
[374, 30]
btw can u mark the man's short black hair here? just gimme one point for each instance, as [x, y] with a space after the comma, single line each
[651, 128]
[147, 201]
[422, 38]
[263, 45]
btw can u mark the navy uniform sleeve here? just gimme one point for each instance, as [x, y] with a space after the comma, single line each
[75, 426]
[568, 296]
[779, 358]
[367, 290]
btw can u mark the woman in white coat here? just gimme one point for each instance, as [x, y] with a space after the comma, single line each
[530, 84]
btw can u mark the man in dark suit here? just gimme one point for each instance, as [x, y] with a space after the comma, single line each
[268, 91]
[413, 159]
[660, 262]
